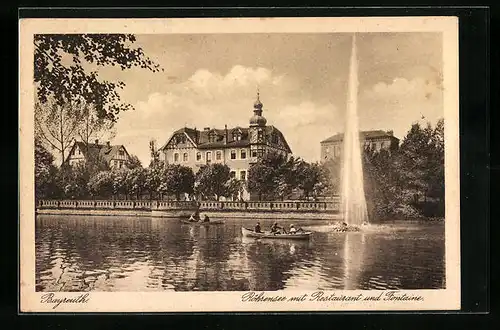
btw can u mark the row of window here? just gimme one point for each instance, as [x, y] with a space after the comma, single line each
[381, 145]
[218, 155]
[243, 175]
[118, 163]
[337, 149]
[75, 151]
[214, 137]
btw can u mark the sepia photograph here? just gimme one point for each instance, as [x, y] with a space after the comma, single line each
[275, 168]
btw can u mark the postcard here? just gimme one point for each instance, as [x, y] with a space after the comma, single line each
[239, 164]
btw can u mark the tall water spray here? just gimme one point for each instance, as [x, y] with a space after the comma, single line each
[353, 193]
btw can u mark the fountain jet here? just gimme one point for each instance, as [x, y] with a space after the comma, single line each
[352, 194]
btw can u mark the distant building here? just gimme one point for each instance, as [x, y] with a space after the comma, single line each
[237, 147]
[116, 156]
[331, 148]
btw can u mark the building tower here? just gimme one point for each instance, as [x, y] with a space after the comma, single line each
[257, 129]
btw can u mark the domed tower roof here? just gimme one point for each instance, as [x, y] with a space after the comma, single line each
[257, 118]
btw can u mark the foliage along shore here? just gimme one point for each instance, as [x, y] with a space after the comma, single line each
[407, 183]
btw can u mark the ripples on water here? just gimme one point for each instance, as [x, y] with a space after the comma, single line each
[142, 254]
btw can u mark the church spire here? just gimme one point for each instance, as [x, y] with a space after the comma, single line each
[258, 105]
[257, 118]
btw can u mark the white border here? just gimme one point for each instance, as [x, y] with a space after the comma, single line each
[446, 299]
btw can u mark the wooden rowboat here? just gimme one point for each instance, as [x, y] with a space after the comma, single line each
[250, 233]
[201, 223]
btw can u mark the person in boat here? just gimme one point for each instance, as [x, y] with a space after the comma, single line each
[206, 218]
[257, 228]
[195, 217]
[275, 229]
[294, 230]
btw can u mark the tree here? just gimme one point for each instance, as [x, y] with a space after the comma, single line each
[235, 187]
[133, 162]
[309, 176]
[155, 154]
[72, 181]
[177, 179]
[436, 162]
[211, 180]
[284, 177]
[273, 176]
[137, 181]
[45, 172]
[261, 179]
[96, 162]
[120, 182]
[153, 178]
[415, 151]
[56, 125]
[59, 62]
[101, 184]
[385, 192]
[330, 177]
[91, 126]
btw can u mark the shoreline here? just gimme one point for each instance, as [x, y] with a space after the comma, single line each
[293, 210]
[181, 214]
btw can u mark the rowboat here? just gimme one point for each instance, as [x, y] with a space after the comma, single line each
[201, 223]
[250, 233]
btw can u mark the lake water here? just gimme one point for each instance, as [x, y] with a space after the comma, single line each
[76, 253]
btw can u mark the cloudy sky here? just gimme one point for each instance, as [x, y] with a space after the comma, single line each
[211, 80]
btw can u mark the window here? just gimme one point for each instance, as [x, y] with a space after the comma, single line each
[233, 154]
[198, 156]
[260, 135]
[121, 152]
[209, 156]
[176, 157]
[232, 174]
[243, 175]
[185, 157]
[243, 154]
[218, 155]
[254, 153]
[237, 136]
[327, 150]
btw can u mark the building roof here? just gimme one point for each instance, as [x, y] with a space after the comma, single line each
[200, 138]
[367, 135]
[106, 152]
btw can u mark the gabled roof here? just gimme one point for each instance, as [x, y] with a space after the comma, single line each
[107, 153]
[201, 138]
[367, 135]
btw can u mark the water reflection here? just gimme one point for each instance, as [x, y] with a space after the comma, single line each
[138, 254]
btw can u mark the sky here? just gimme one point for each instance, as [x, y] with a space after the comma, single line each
[210, 80]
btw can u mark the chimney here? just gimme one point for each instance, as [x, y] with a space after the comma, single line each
[225, 134]
[391, 132]
[196, 135]
[96, 141]
[206, 129]
[107, 144]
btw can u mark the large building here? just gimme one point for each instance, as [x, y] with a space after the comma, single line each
[116, 156]
[331, 148]
[237, 147]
